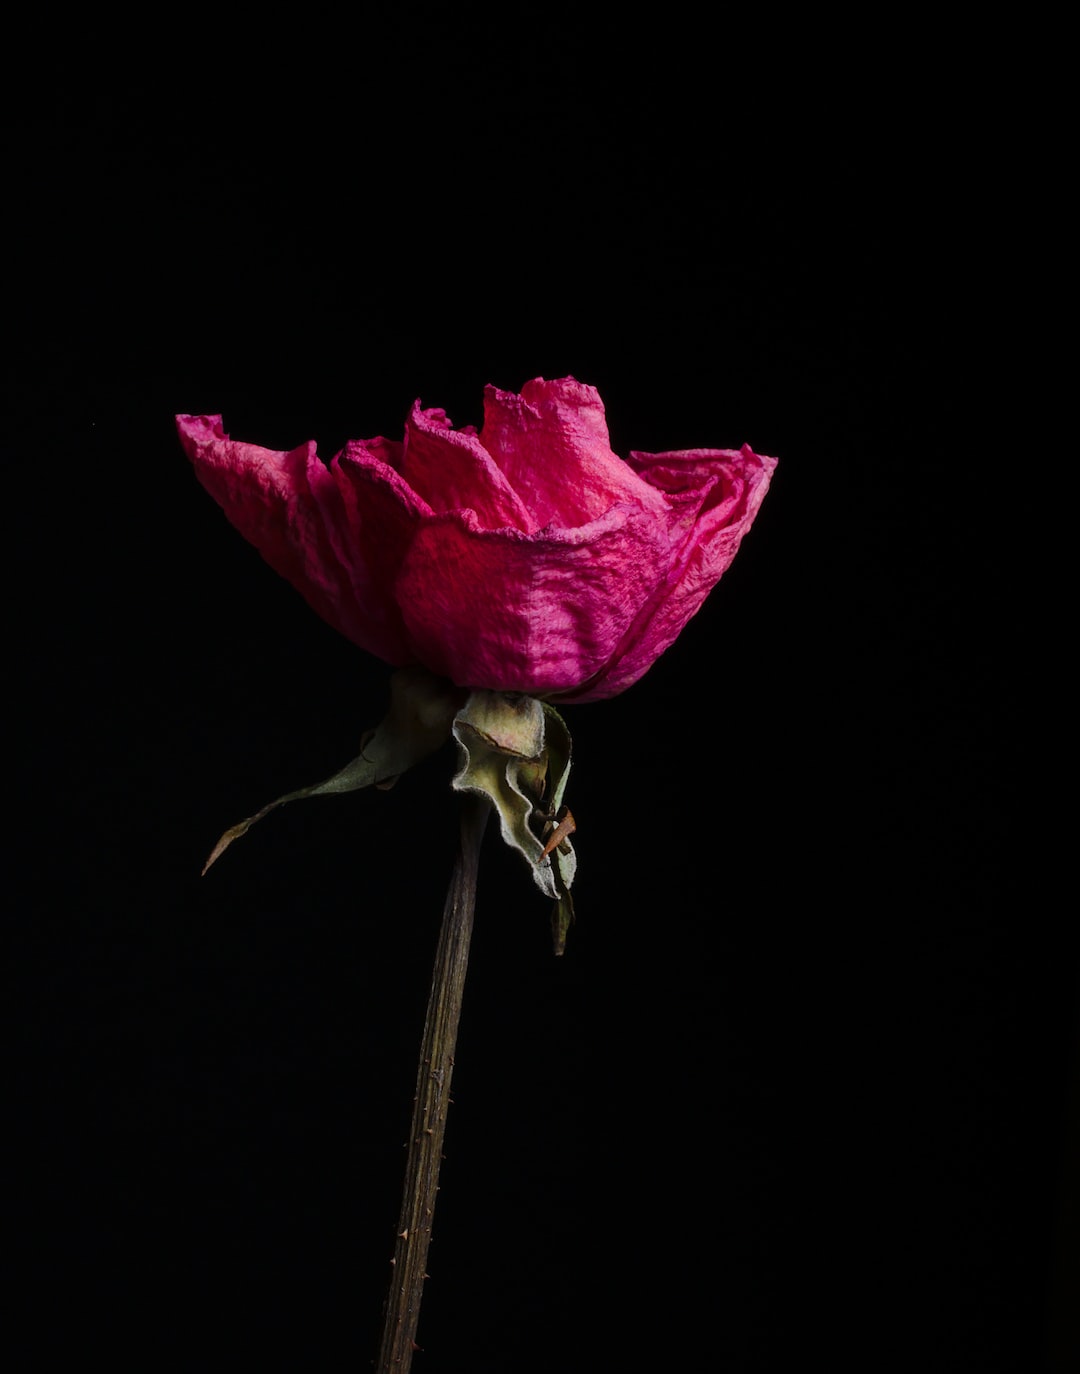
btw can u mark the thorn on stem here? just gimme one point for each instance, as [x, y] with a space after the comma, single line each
[565, 827]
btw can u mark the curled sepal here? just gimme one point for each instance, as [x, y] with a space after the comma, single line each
[561, 826]
[422, 708]
[515, 750]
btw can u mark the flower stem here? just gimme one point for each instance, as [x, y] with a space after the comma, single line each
[433, 1076]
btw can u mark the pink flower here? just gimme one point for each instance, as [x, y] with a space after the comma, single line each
[526, 558]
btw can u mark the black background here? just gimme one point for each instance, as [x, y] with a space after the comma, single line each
[799, 1085]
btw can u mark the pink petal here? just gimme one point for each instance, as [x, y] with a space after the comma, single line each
[288, 506]
[371, 513]
[552, 444]
[452, 470]
[538, 614]
[734, 483]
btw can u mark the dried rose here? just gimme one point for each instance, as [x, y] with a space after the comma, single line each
[524, 558]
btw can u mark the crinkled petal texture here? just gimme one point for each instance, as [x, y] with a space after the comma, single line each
[526, 558]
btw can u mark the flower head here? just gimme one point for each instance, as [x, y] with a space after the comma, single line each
[524, 558]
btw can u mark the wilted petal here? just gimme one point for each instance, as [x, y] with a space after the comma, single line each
[539, 614]
[451, 470]
[552, 444]
[270, 498]
[374, 513]
[734, 483]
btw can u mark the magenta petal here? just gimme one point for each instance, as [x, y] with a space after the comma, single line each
[287, 505]
[379, 516]
[540, 615]
[552, 444]
[452, 471]
[736, 483]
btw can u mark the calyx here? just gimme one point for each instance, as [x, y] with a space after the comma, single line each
[515, 750]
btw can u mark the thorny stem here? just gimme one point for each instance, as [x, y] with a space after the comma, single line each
[433, 1076]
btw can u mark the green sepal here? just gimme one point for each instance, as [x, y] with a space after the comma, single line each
[422, 708]
[562, 918]
[515, 750]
